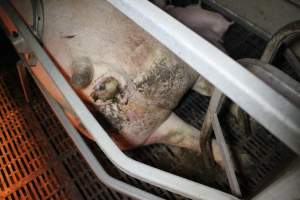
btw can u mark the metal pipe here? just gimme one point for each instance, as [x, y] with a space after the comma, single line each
[226, 154]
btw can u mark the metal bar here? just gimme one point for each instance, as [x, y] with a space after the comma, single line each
[295, 2]
[229, 164]
[134, 168]
[284, 35]
[211, 124]
[111, 182]
[24, 80]
[284, 84]
[38, 18]
[215, 104]
[263, 103]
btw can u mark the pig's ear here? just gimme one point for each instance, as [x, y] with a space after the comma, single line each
[82, 72]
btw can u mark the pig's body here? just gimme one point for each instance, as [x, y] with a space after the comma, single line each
[149, 79]
[118, 68]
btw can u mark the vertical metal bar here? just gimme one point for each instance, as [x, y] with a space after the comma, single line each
[211, 124]
[214, 106]
[38, 17]
[293, 60]
[23, 79]
[229, 164]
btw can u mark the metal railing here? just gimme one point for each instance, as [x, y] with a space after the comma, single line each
[263, 103]
[134, 168]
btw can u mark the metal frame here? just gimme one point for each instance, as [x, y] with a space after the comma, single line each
[83, 148]
[212, 125]
[38, 17]
[134, 168]
[230, 166]
[111, 182]
[259, 100]
[264, 104]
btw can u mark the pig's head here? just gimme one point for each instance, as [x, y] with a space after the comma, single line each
[97, 83]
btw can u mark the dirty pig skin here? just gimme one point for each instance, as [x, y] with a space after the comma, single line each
[119, 69]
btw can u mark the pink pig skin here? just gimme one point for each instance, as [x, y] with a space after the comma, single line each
[132, 79]
[210, 25]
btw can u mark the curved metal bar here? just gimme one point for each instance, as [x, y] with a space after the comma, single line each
[286, 33]
[105, 178]
[134, 168]
[279, 81]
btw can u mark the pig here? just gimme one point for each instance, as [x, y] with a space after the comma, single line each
[119, 70]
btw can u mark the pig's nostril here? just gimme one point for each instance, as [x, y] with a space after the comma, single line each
[82, 72]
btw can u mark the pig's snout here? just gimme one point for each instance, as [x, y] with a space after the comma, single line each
[82, 72]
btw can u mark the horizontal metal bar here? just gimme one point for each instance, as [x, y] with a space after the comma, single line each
[134, 168]
[105, 178]
[263, 103]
